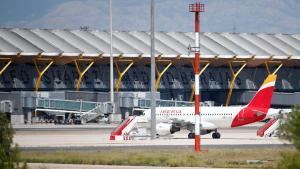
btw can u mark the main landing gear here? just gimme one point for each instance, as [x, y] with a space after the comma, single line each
[216, 135]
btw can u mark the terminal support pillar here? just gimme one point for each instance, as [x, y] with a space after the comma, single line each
[276, 70]
[80, 72]
[193, 87]
[232, 83]
[49, 62]
[160, 74]
[9, 61]
[121, 74]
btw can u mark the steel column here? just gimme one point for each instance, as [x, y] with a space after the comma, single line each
[160, 74]
[193, 87]
[111, 59]
[121, 74]
[153, 92]
[81, 73]
[6, 65]
[275, 71]
[41, 72]
[267, 67]
[232, 83]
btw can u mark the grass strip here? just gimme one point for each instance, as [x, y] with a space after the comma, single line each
[227, 158]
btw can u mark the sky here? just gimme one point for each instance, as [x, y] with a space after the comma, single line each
[241, 16]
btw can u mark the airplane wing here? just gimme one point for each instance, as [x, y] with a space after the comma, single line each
[204, 125]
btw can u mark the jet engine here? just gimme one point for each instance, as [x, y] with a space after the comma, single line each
[166, 129]
[203, 132]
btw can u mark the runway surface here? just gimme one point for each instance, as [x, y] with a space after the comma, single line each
[83, 138]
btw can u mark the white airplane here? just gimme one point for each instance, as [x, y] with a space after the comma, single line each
[213, 118]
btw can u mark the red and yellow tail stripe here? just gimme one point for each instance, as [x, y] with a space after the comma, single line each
[269, 82]
[258, 107]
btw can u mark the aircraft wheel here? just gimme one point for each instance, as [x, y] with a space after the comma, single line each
[216, 135]
[191, 135]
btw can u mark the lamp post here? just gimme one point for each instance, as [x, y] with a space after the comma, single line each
[111, 57]
[153, 91]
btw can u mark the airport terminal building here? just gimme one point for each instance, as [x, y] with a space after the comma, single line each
[44, 64]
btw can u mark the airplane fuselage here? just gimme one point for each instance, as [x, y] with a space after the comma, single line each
[211, 117]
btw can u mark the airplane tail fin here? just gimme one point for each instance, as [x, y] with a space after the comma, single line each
[263, 97]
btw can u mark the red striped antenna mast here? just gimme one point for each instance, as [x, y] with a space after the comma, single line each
[197, 8]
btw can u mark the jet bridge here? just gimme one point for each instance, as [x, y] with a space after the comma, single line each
[87, 111]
